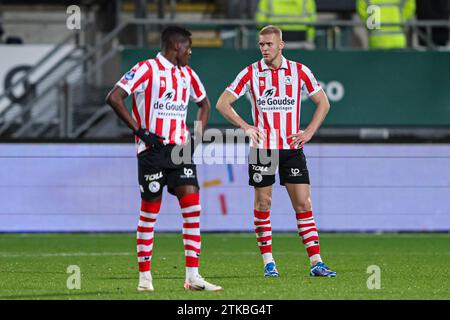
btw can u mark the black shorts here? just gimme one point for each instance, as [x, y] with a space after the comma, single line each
[156, 169]
[263, 163]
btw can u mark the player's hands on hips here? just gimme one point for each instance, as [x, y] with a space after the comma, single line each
[151, 139]
[255, 134]
[300, 138]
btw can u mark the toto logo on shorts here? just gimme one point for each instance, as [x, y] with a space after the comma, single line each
[154, 186]
[257, 177]
[188, 173]
[295, 172]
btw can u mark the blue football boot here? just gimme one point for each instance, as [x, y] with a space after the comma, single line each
[270, 270]
[321, 270]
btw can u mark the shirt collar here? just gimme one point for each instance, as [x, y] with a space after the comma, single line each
[166, 63]
[282, 66]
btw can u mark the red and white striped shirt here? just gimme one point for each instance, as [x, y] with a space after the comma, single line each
[275, 97]
[161, 93]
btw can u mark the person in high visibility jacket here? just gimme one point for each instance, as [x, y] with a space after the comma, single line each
[387, 11]
[278, 11]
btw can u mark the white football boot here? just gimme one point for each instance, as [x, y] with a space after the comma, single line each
[145, 282]
[197, 283]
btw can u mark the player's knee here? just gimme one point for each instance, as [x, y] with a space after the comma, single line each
[263, 203]
[303, 205]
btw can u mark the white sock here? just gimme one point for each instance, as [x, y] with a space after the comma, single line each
[145, 275]
[267, 257]
[314, 259]
[191, 272]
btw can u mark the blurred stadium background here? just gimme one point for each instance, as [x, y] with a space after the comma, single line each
[380, 162]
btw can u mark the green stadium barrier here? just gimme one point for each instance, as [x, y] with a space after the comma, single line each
[398, 88]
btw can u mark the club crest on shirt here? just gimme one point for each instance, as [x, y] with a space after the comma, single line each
[184, 83]
[288, 80]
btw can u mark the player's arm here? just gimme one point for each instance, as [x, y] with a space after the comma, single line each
[224, 106]
[115, 99]
[198, 95]
[322, 107]
[203, 114]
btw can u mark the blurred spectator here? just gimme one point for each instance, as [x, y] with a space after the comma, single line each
[391, 11]
[297, 35]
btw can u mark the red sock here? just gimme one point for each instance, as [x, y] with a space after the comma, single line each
[263, 231]
[308, 232]
[145, 232]
[190, 208]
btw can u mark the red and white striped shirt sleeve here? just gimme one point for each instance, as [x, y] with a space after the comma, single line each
[136, 79]
[240, 85]
[197, 92]
[310, 82]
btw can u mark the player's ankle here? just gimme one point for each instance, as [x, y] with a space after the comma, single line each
[315, 260]
[145, 275]
[191, 273]
[267, 258]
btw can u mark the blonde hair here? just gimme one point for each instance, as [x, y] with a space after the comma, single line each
[271, 29]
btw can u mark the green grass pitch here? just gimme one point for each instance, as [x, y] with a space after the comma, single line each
[412, 266]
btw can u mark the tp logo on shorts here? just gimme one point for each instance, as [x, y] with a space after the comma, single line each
[154, 186]
[295, 172]
[188, 173]
[257, 177]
